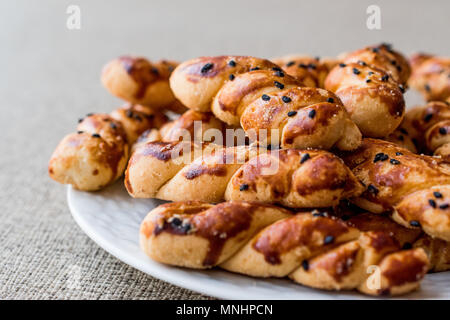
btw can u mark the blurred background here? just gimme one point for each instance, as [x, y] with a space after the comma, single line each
[49, 77]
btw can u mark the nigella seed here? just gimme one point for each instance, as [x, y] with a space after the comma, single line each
[442, 130]
[279, 73]
[276, 69]
[432, 203]
[291, 113]
[176, 222]
[305, 265]
[155, 71]
[129, 113]
[402, 88]
[437, 194]
[207, 67]
[290, 63]
[312, 66]
[394, 161]
[427, 88]
[254, 69]
[95, 135]
[265, 97]
[80, 120]
[79, 132]
[279, 85]
[385, 78]
[375, 50]
[393, 62]
[342, 65]
[356, 71]
[428, 117]
[312, 114]
[286, 99]
[113, 125]
[330, 100]
[362, 63]
[407, 246]
[302, 65]
[444, 206]
[231, 77]
[380, 157]
[243, 187]
[399, 68]
[370, 73]
[368, 80]
[328, 240]
[232, 63]
[372, 189]
[414, 223]
[398, 154]
[304, 158]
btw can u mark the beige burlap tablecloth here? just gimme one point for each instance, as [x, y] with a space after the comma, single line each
[49, 77]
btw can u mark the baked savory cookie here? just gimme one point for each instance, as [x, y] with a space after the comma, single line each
[181, 171]
[370, 83]
[415, 187]
[139, 81]
[271, 106]
[97, 154]
[312, 248]
[431, 76]
[429, 127]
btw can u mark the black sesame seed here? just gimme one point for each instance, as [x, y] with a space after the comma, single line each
[243, 187]
[95, 135]
[372, 189]
[407, 246]
[393, 62]
[176, 222]
[432, 203]
[291, 113]
[375, 50]
[113, 125]
[342, 65]
[414, 223]
[398, 154]
[428, 117]
[362, 63]
[79, 132]
[276, 69]
[232, 63]
[207, 67]
[328, 240]
[305, 265]
[399, 68]
[370, 73]
[437, 194]
[302, 65]
[138, 117]
[427, 88]
[155, 71]
[312, 66]
[231, 77]
[254, 69]
[286, 99]
[319, 214]
[356, 71]
[317, 58]
[290, 63]
[80, 120]
[368, 80]
[330, 100]
[129, 113]
[385, 78]
[265, 97]
[312, 114]
[444, 206]
[279, 85]
[394, 161]
[305, 157]
[442, 130]
[380, 157]
[402, 88]
[279, 73]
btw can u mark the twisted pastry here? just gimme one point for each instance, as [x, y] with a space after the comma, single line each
[265, 241]
[370, 83]
[431, 76]
[139, 81]
[180, 171]
[415, 187]
[429, 126]
[259, 96]
[96, 155]
[310, 71]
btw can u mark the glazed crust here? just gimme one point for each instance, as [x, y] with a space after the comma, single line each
[259, 95]
[431, 76]
[406, 183]
[97, 154]
[139, 81]
[312, 249]
[294, 178]
[308, 70]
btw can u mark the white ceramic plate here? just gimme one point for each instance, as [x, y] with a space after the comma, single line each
[111, 218]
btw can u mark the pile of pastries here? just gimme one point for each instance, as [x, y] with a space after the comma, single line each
[298, 167]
